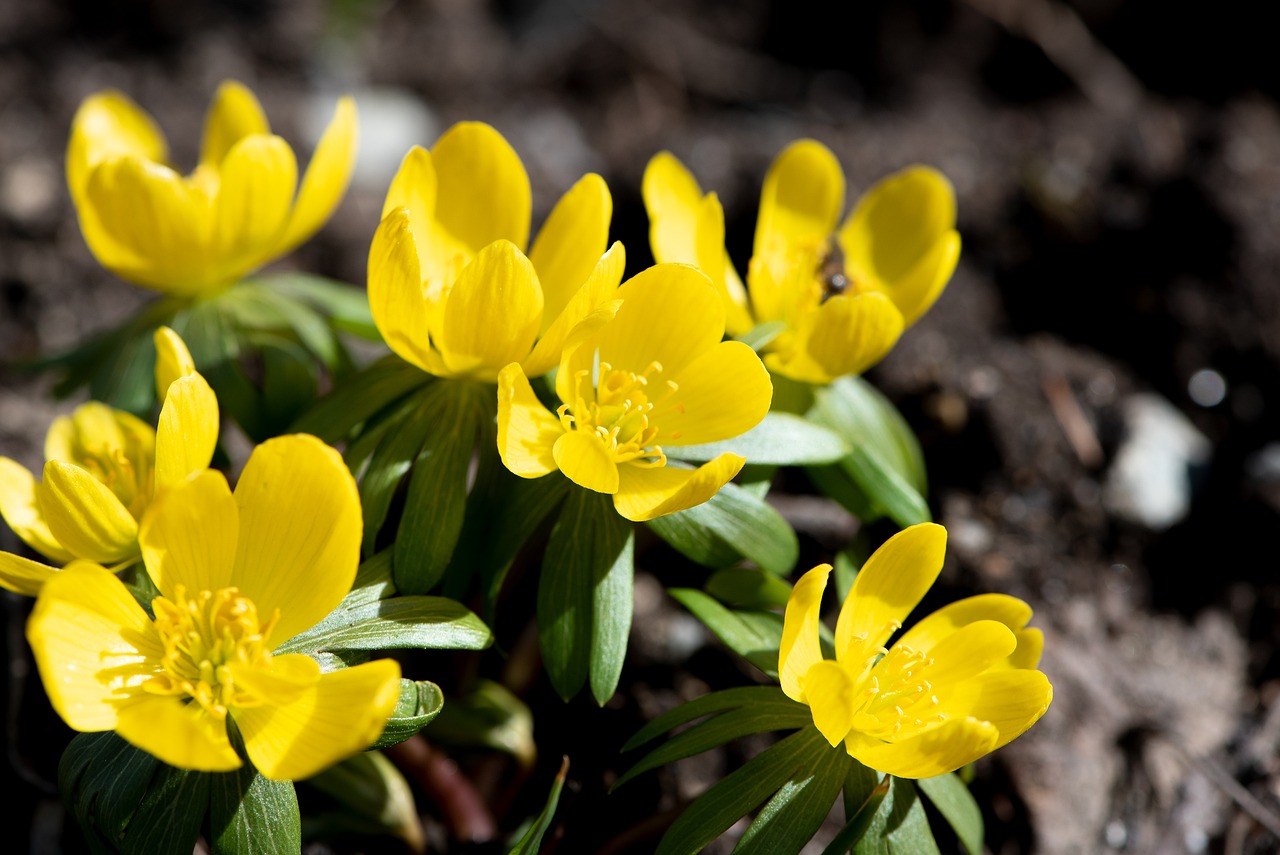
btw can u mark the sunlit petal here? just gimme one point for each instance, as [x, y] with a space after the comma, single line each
[585, 461]
[254, 201]
[527, 431]
[1010, 699]
[492, 313]
[187, 431]
[22, 575]
[570, 243]
[233, 115]
[21, 511]
[672, 197]
[930, 630]
[644, 493]
[713, 260]
[937, 751]
[600, 288]
[396, 297]
[830, 693]
[800, 649]
[969, 651]
[848, 334]
[344, 712]
[725, 391]
[327, 176]
[802, 198]
[109, 125]
[182, 735]
[670, 314]
[287, 680]
[84, 515]
[173, 360]
[483, 192]
[189, 535]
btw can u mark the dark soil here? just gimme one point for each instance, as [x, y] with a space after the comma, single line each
[1119, 200]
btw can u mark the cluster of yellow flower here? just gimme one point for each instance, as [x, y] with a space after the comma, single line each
[456, 289]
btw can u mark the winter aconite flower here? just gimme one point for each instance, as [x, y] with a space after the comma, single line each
[238, 574]
[957, 685]
[839, 297]
[103, 470]
[195, 234]
[655, 376]
[450, 286]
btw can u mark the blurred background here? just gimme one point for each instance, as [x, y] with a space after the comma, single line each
[1097, 391]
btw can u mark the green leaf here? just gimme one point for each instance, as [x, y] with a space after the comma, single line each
[886, 488]
[797, 810]
[102, 779]
[743, 790]
[437, 495]
[420, 702]
[360, 397]
[781, 439]
[860, 822]
[251, 815]
[429, 623]
[585, 595]
[755, 636]
[734, 713]
[958, 807]
[861, 414]
[489, 716]
[900, 826]
[732, 524]
[531, 840]
[169, 817]
[252, 306]
[373, 582]
[392, 459]
[374, 798]
[346, 306]
[762, 334]
[748, 588]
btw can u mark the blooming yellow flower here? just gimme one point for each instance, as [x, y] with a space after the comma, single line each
[103, 470]
[841, 296]
[196, 234]
[237, 574]
[958, 685]
[450, 286]
[656, 374]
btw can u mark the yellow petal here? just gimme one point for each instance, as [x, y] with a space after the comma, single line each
[1030, 648]
[492, 313]
[89, 638]
[85, 516]
[800, 649]
[21, 510]
[584, 460]
[22, 575]
[173, 360]
[189, 536]
[397, 301]
[107, 125]
[288, 678]
[483, 192]
[182, 735]
[300, 529]
[929, 631]
[253, 204]
[722, 393]
[969, 651]
[414, 186]
[902, 220]
[327, 175]
[343, 713]
[233, 115]
[150, 211]
[441, 256]
[187, 431]
[672, 197]
[570, 243]
[670, 314]
[713, 260]
[937, 751]
[802, 198]
[527, 431]
[892, 581]
[1010, 699]
[644, 493]
[848, 334]
[600, 288]
[829, 692]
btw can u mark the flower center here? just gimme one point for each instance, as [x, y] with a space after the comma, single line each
[202, 636]
[894, 698]
[618, 412]
[127, 476]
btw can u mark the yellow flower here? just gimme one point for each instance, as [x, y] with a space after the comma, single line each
[196, 234]
[237, 574]
[103, 470]
[956, 686]
[656, 374]
[840, 296]
[450, 286]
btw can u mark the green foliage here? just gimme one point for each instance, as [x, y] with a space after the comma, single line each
[489, 716]
[753, 635]
[372, 798]
[251, 815]
[781, 439]
[420, 703]
[532, 838]
[958, 807]
[733, 525]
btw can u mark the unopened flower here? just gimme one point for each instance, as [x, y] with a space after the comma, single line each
[840, 296]
[103, 469]
[196, 234]
[238, 574]
[450, 285]
[656, 375]
[958, 685]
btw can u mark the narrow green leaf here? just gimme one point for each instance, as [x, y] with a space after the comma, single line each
[748, 588]
[958, 807]
[102, 779]
[374, 799]
[531, 840]
[251, 815]
[251, 306]
[373, 582]
[589, 548]
[711, 704]
[359, 397]
[168, 818]
[392, 459]
[836, 483]
[437, 496]
[797, 810]
[856, 828]
[782, 439]
[732, 523]
[420, 702]
[900, 826]
[743, 790]
[430, 623]
[755, 636]
[762, 334]
[886, 488]
[611, 604]
[289, 382]
[489, 716]
[861, 414]
[345, 305]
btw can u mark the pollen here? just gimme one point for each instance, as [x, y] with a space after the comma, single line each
[618, 410]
